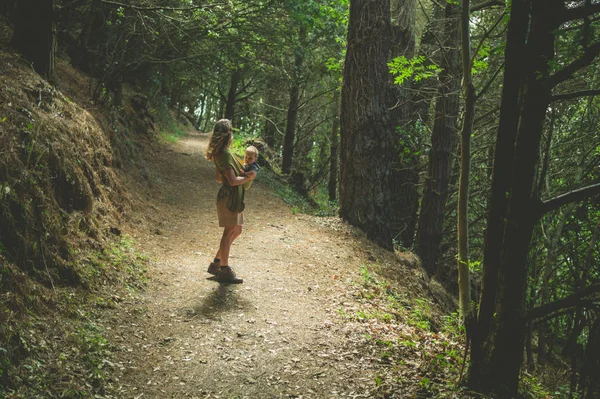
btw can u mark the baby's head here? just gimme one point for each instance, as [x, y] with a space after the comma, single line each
[251, 155]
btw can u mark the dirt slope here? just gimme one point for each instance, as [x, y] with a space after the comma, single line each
[280, 334]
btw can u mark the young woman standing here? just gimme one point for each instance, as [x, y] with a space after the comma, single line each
[230, 199]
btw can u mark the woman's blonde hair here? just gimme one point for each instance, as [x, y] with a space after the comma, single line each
[220, 138]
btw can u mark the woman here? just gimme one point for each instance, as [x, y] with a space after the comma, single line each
[230, 199]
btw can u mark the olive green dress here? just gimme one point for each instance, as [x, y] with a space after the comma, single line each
[230, 200]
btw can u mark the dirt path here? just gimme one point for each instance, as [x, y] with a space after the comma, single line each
[278, 335]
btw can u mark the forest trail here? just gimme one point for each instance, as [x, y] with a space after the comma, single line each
[278, 335]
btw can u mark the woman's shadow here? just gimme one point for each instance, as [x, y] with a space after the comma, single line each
[224, 298]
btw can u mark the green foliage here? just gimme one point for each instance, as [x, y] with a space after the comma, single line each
[533, 387]
[481, 60]
[367, 276]
[93, 348]
[420, 315]
[415, 68]
[170, 130]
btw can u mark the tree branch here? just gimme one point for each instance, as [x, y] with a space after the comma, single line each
[575, 94]
[567, 302]
[571, 196]
[69, 5]
[114, 3]
[568, 71]
[487, 4]
[579, 12]
[489, 82]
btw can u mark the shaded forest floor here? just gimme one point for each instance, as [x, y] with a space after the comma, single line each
[322, 312]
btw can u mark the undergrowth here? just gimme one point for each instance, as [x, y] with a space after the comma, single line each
[53, 342]
[63, 260]
[396, 327]
[170, 130]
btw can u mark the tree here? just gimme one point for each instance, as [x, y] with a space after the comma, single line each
[532, 71]
[292, 112]
[464, 277]
[405, 118]
[334, 146]
[443, 142]
[367, 140]
[35, 34]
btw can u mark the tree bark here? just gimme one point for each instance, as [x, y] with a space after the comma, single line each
[464, 278]
[497, 348]
[404, 117]
[443, 141]
[35, 35]
[367, 140]
[334, 148]
[501, 174]
[236, 77]
[292, 114]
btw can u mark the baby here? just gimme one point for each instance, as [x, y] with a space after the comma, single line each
[250, 165]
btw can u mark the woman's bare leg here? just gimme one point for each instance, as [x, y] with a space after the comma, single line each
[225, 245]
[226, 274]
[229, 235]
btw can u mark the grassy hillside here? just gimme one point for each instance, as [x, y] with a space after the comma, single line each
[62, 255]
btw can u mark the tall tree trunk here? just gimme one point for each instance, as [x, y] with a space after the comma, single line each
[501, 175]
[236, 77]
[292, 114]
[367, 139]
[35, 35]
[201, 109]
[443, 141]
[269, 128]
[208, 111]
[334, 148]
[464, 279]
[404, 175]
[290, 129]
[497, 348]
[590, 375]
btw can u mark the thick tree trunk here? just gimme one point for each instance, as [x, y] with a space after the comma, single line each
[443, 142]
[404, 117]
[502, 172]
[367, 139]
[497, 348]
[334, 148]
[35, 35]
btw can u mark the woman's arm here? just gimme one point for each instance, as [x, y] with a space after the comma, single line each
[250, 173]
[219, 176]
[236, 180]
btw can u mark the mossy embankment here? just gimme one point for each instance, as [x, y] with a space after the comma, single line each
[63, 161]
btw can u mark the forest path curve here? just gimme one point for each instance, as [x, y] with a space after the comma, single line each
[277, 335]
